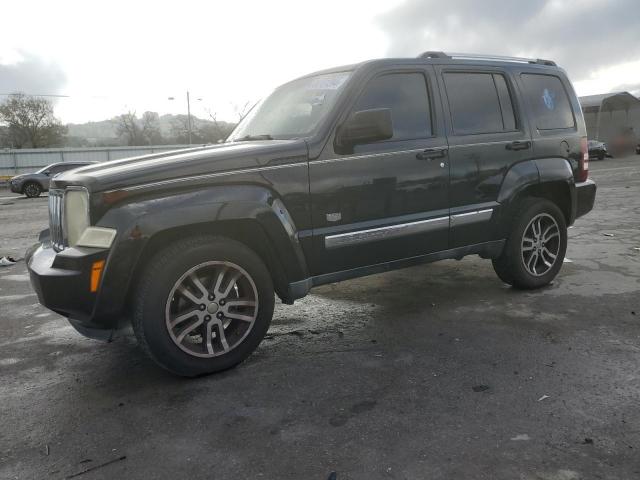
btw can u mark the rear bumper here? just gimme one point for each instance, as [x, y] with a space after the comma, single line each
[62, 282]
[585, 197]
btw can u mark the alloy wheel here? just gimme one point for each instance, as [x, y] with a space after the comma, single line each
[211, 309]
[540, 245]
[32, 190]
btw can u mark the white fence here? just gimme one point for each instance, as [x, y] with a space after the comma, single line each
[16, 161]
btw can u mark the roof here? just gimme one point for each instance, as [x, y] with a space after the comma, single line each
[437, 57]
[609, 101]
[480, 56]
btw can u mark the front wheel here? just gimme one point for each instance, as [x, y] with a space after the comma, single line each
[203, 305]
[535, 249]
[32, 190]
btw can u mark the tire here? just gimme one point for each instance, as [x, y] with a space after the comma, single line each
[502, 271]
[166, 305]
[601, 156]
[518, 265]
[32, 190]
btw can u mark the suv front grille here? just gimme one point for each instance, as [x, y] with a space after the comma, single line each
[56, 205]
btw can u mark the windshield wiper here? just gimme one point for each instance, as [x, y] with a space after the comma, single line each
[249, 138]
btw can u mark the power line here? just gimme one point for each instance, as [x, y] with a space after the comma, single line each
[99, 97]
[33, 95]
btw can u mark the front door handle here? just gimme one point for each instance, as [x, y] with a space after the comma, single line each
[430, 153]
[519, 145]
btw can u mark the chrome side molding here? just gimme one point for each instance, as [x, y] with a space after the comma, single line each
[384, 233]
[471, 217]
[404, 229]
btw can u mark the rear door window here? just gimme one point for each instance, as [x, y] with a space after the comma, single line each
[549, 101]
[479, 103]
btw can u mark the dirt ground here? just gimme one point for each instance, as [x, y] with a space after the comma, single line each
[434, 372]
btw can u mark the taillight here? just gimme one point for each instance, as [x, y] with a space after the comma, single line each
[583, 165]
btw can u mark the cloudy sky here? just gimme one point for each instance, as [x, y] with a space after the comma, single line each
[110, 57]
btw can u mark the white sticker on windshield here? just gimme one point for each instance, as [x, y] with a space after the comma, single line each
[327, 82]
[317, 99]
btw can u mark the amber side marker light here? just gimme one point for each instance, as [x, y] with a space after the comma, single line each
[96, 273]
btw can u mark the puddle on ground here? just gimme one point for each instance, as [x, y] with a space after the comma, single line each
[12, 298]
[16, 278]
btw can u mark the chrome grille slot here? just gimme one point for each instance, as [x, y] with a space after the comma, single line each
[56, 205]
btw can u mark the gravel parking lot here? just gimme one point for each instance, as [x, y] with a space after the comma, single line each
[434, 372]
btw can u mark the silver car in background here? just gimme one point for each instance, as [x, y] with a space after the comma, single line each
[33, 184]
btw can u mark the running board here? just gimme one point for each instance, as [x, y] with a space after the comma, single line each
[301, 288]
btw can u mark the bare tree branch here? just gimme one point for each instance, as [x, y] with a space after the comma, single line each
[30, 122]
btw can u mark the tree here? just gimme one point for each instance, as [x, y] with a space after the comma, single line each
[202, 131]
[216, 130]
[180, 130]
[30, 122]
[151, 128]
[4, 137]
[127, 126]
[242, 110]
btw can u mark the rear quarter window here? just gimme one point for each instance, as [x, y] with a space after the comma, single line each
[549, 101]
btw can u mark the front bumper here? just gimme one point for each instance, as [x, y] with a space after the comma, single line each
[62, 282]
[585, 197]
[15, 187]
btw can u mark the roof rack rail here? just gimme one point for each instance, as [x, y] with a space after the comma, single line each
[476, 56]
[433, 54]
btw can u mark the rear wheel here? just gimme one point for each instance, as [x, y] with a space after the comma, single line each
[535, 249]
[32, 189]
[203, 305]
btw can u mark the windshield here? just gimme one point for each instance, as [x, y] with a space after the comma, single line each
[292, 110]
[44, 169]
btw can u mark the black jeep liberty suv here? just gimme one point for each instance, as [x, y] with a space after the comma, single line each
[342, 173]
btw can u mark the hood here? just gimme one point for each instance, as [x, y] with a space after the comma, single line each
[27, 176]
[175, 164]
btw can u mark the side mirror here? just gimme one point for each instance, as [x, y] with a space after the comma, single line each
[365, 126]
[47, 172]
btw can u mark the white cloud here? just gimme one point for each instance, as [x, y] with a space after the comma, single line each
[624, 76]
[586, 37]
[121, 55]
[134, 54]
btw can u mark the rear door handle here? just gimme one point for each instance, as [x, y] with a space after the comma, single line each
[432, 153]
[518, 145]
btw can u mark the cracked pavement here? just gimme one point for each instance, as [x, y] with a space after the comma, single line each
[370, 378]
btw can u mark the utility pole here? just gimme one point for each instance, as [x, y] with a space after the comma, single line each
[189, 116]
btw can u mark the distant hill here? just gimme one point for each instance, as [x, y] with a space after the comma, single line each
[171, 127]
[93, 131]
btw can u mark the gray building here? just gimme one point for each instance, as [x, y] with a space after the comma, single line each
[609, 115]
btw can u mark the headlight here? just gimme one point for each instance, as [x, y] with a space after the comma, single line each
[76, 222]
[76, 214]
